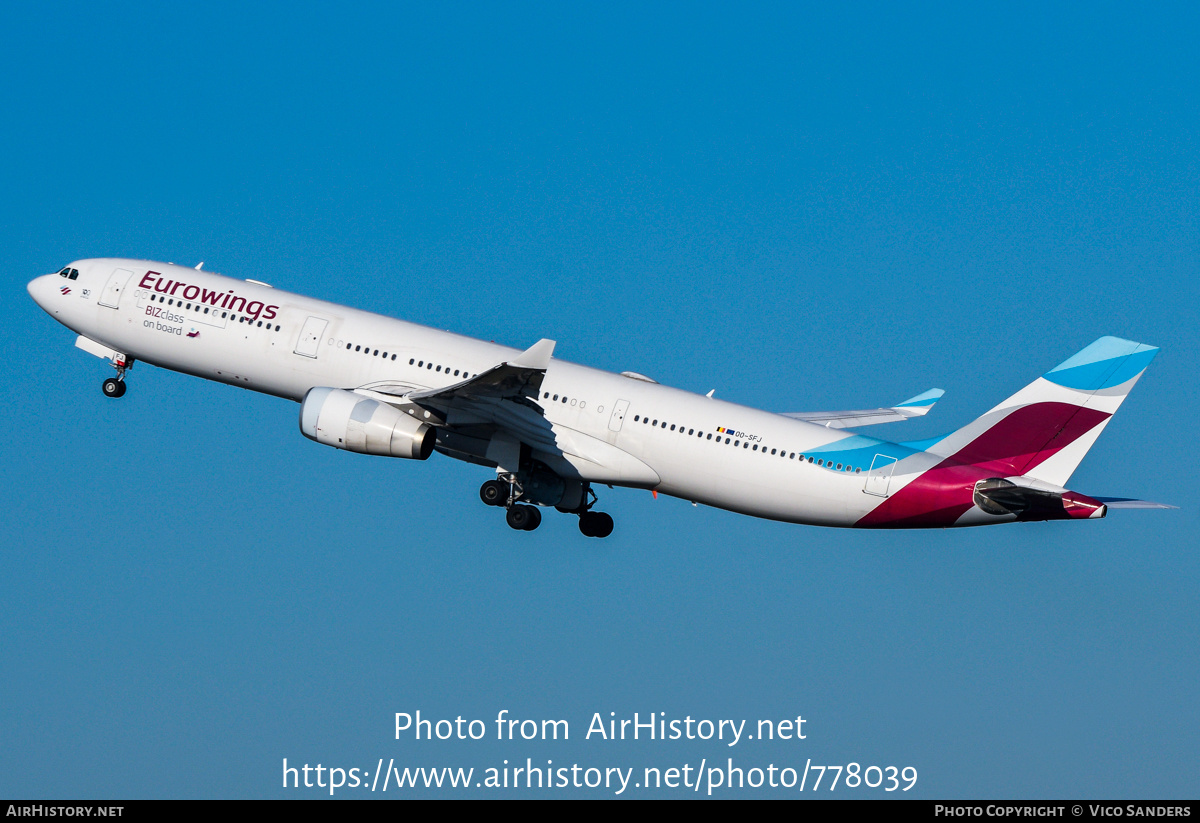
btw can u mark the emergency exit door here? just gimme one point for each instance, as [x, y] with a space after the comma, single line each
[310, 337]
[618, 415]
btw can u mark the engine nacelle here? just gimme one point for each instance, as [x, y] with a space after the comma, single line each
[345, 420]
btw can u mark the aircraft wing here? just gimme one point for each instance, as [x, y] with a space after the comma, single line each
[519, 378]
[486, 419]
[913, 407]
[504, 397]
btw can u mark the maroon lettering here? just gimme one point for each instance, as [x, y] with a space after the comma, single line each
[165, 288]
[190, 292]
[269, 313]
[176, 286]
[145, 284]
[210, 297]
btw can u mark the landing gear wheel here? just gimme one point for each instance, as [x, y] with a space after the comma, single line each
[595, 524]
[523, 518]
[535, 519]
[114, 387]
[494, 493]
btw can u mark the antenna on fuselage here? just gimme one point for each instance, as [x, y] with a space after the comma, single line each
[198, 265]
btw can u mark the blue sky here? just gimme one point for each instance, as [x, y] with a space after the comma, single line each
[801, 207]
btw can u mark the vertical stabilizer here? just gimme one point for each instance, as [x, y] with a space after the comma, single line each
[1044, 430]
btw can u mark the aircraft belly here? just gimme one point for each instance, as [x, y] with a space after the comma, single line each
[785, 491]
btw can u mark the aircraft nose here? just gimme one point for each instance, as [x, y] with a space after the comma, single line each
[40, 289]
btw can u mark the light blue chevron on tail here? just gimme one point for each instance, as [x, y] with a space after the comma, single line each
[1108, 362]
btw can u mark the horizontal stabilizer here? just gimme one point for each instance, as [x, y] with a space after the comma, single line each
[1130, 503]
[913, 407]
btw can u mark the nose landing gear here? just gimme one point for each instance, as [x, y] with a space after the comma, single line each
[115, 386]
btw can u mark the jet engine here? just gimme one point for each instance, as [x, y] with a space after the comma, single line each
[346, 420]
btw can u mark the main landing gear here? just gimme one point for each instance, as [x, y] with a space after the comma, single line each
[519, 516]
[506, 492]
[115, 386]
[595, 524]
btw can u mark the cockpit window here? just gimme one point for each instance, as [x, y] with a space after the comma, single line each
[74, 275]
[65, 272]
[69, 272]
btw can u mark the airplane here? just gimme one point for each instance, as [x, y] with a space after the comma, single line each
[552, 430]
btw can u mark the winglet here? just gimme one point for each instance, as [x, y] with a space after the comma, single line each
[536, 356]
[919, 405]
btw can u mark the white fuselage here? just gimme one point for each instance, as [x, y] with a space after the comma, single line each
[284, 344]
